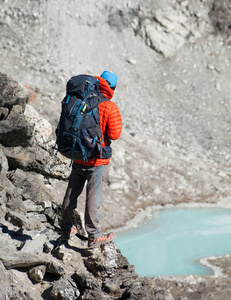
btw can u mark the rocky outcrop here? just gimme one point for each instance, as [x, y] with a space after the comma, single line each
[165, 28]
[34, 264]
[25, 136]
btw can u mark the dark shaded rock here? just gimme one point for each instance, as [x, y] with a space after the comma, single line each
[53, 214]
[48, 247]
[11, 93]
[9, 194]
[36, 274]
[36, 159]
[122, 19]
[95, 294]
[142, 289]
[64, 290]
[30, 158]
[55, 269]
[3, 113]
[86, 281]
[221, 16]
[94, 265]
[15, 130]
[127, 278]
[112, 285]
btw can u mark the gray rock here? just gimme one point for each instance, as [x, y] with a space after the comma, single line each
[11, 196]
[140, 290]
[6, 238]
[95, 294]
[55, 268]
[38, 160]
[35, 222]
[31, 158]
[111, 286]
[3, 163]
[63, 290]
[31, 206]
[4, 282]
[18, 259]
[27, 290]
[54, 215]
[34, 246]
[11, 93]
[4, 183]
[86, 281]
[42, 128]
[163, 295]
[31, 185]
[3, 209]
[15, 130]
[17, 219]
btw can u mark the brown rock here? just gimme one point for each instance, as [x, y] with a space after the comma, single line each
[36, 274]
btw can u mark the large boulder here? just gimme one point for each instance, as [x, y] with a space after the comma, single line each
[11, 93]
[15, 130]
[37, 159]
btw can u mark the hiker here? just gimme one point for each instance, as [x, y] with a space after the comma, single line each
[93, 170]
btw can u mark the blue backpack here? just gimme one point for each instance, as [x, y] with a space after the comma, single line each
[78, 135]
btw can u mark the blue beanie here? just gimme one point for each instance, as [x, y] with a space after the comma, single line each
[110, 77]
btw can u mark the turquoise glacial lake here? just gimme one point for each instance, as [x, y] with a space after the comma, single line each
[173, 241]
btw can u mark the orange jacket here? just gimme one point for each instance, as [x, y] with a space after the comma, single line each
[110, 122]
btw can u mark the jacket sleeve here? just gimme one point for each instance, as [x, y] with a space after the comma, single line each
[114, 123]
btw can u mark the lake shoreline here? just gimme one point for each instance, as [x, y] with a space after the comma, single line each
[146, 213]
[187, 285]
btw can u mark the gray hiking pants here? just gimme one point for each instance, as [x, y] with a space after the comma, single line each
[94, 177]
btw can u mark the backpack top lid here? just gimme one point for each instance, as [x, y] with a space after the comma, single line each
[110, 77]
[80, 83]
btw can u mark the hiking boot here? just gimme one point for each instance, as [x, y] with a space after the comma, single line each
[66, 235]
[103, 239]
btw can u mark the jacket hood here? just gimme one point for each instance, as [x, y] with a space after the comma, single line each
[105, 88]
